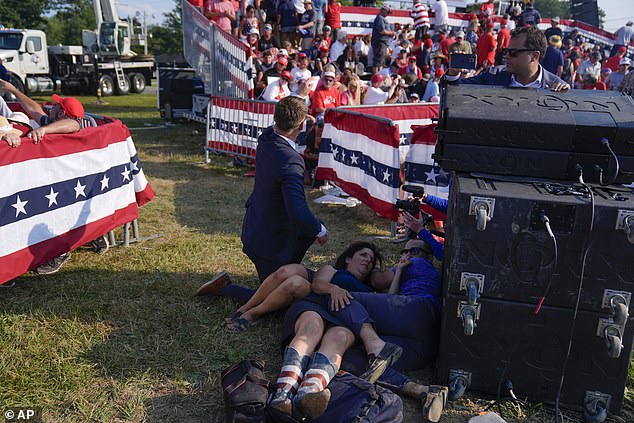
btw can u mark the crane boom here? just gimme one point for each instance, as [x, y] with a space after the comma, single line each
[105, 11]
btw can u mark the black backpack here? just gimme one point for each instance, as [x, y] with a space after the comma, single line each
[245, 390]
[352, 400]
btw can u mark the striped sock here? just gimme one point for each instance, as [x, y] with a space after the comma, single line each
[291, 373]
[319, 374]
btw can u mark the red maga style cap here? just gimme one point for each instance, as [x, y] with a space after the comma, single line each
[72, 107]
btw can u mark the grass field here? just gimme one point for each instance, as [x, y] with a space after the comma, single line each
[119, 337]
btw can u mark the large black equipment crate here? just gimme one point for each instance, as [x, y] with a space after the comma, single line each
[536, 133]
[497, 264]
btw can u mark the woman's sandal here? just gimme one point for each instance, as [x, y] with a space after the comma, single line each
[232, 316]
[240, 324]
[433, 402]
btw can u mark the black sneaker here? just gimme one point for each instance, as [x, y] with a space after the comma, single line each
[53, 266]
[100, 244]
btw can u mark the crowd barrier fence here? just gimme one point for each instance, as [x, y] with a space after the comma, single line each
[223, 62]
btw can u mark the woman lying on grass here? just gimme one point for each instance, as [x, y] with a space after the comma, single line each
[342, 310]
[397, 330]
[350, 273]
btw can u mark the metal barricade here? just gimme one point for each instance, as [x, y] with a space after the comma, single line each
[223, 62]
[234, 125]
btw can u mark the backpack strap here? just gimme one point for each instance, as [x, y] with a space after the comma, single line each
[247, 367]
[374, 398]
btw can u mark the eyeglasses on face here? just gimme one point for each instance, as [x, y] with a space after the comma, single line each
[513, 52]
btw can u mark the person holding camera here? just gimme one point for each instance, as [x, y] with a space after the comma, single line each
[522, 56]
[417, 223]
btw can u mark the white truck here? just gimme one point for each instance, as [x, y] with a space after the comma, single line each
[104, 61]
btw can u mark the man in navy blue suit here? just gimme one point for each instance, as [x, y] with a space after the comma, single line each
[526, 49]
[278, 227]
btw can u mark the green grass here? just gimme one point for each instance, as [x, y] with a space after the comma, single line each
[119, 337]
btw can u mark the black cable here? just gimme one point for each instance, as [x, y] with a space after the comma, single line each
[606, 143]
[576, 309]
[546, 221]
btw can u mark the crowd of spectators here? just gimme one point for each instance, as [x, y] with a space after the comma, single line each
[301, 50]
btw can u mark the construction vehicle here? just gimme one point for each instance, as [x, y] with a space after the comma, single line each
[104, 63]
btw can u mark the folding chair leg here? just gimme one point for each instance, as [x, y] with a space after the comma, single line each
[111, 238]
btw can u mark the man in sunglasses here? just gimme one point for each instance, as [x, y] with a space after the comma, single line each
[327, 95]
[526, 49]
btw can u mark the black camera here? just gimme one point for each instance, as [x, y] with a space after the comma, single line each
[412, 205]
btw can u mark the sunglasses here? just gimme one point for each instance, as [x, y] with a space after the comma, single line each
[513, 52]
[329, 79]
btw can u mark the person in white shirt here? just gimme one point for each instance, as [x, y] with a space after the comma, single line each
[4, 109]
[299, 73]
[375, 95]
[337, 47]
[590, 67]
[623, 37]
[277, 90]
[361, 48]
[614, 79]
[441, 18]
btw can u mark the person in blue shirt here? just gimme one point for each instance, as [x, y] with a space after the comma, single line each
[553, 60]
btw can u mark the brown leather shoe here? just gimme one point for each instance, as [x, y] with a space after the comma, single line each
[313, 404]
[215, 285]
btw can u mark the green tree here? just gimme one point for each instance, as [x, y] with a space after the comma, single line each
[167, 38]
[24, 13]
[70, 18]
[552, 8]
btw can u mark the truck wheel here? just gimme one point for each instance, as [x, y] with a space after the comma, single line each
[125, 88]
[137, 83]
[17, 83]
[107, 85]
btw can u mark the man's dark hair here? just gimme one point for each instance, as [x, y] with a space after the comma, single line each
[290, 113]
[535, 39]
[353, 248]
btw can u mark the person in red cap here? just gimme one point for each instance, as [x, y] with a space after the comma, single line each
[375, 95]
[322, 60]
[63, 118]
[276, 71]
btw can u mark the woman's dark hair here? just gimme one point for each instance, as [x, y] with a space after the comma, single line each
[355, 247]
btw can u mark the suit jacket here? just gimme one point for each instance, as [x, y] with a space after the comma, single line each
[503, 79]
[278, 219]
